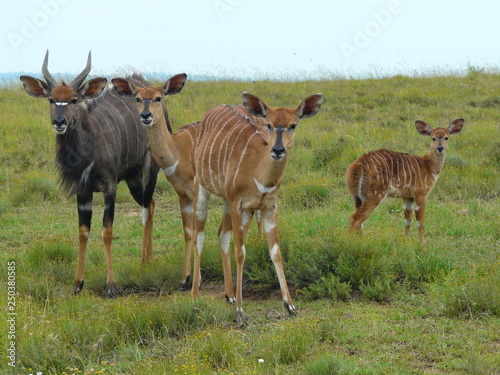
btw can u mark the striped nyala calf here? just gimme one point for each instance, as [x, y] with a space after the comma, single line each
[380, 174]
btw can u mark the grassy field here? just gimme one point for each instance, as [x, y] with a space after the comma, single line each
[380, 304]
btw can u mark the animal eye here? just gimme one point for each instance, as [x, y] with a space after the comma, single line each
[158, 99]
[51, 101]
[445, 138]
[137, 100]
[74, 101]
[293, 126]
[434, 139]
[269, 127]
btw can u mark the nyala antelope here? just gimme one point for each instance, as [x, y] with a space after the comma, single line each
[380, 174]
[172, 152]
[97, 145]
[240, 155]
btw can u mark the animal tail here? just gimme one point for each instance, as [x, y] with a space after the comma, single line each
[354, 179]
[358, 198]
[357, 201]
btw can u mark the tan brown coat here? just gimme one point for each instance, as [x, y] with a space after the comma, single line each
[240, 155]
[380, 174]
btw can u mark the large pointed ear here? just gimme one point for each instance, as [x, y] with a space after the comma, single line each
[92, 88]
[310, 106]
[35, 87]
[174, 85]
[456, 126]
[423, 128]
[124, 87]
[254, 105]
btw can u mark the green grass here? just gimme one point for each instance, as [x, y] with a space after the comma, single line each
[379, 304]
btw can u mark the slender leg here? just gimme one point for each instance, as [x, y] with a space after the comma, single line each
[186, 204]
[260, 226]
[241, 222]
[147, 234]
[142, 190]
[369, 204]
[143, 195]
[408, 203]
[420, 215]
[225, 242]
[271, 227]
[84, 221]
[201, 199]
[107, 238]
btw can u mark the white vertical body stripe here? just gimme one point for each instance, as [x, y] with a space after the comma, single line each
[398, 173]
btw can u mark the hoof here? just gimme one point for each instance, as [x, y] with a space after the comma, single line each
[291, 310]
[111, 291]
[239, 315]
[184, 285]
[231, 300]
[78, 287]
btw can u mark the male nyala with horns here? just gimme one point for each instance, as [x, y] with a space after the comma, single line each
[98, 145]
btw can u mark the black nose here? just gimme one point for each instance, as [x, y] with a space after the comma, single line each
[59, 121]
[440, 149]
[278, 151]
[145, 115]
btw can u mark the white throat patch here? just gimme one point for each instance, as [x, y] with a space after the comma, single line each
[262, 188]
[169, 171]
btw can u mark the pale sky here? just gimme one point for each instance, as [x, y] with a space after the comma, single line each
[251, 38]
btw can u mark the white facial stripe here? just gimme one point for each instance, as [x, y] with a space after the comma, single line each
[61, 103]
